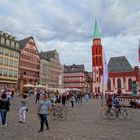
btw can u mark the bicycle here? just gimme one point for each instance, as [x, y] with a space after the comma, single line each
[122, 113]
[107, 113]
[113, 113]
[57, 113]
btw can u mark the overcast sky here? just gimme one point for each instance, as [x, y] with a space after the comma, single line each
[67, 26]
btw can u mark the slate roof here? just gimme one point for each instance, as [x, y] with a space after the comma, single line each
[49, 54]
[23, 42]
[119, 64]
[74, 68]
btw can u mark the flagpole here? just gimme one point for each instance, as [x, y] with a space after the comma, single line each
[105, 74]
[102, 103]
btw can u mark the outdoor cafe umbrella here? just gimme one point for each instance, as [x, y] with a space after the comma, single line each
[40, 86]
[28, 85]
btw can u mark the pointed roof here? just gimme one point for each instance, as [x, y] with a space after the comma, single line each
[119, 64]
[23, 42]
[96, 33]
[49, 54]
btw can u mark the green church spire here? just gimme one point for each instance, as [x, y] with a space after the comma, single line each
[96, 33]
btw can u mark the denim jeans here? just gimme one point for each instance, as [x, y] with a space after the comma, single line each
[3, 113]
[43, 120]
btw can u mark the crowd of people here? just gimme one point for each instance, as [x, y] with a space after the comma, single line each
[44, 100]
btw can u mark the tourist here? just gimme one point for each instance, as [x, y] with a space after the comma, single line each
[12, 94]
[9, 94]
[109, 102]
[79, 99]
[116, 104]
[86, 98]
[37, 97]
[4, 108]
[44, 105]
[72, 100]
[63, 99]
[23, 109]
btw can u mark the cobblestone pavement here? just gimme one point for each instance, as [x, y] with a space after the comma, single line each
[84, 123]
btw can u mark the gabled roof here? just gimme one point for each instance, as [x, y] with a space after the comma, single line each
[23, 42]
[49, 54]
[119, 64]
[74, 68]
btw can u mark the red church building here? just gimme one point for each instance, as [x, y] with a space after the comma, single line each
[121, 74]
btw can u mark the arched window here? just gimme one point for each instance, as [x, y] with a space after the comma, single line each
[97, 79]
[109, 84]
[119, 83]
[98, 89]
[95, 89]
[130, 84]
[96, 51]
[96, 60]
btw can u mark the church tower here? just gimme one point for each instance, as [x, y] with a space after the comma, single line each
[97, 65]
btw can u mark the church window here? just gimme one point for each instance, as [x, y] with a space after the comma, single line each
[109, 84]
[98, 89]
[95, 89]
[96, 60]
[97, 79]
[96, 51]
[130, 84]
[119, 83]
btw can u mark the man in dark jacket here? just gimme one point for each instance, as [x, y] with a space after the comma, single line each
[4, 107]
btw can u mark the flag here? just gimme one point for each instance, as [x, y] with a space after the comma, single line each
[139, 53]
[105, 70]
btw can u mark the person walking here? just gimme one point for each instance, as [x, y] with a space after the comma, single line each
[44, 105]
[4, 108]
[23, 109]
[86, 98]
[37, 97]
[72, 100]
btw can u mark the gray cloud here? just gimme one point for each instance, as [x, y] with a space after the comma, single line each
[68, 26]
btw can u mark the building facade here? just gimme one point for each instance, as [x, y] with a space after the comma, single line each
[51, 70]
[9, 60]
[29, 62]
[74, 77]
[121, 75]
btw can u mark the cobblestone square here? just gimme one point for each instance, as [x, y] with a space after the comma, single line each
[84, 123]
